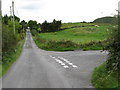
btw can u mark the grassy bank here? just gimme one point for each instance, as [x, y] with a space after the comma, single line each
[11, 57]
[101, 78]
[51, 45]
[67, 45]
[72, 36]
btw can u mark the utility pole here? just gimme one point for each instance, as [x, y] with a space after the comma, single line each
[0, 15]
[0, 8]
[102, 16]
[119, 17]
[11, 13]
[13, 16]
[119, 8]
[0, 34]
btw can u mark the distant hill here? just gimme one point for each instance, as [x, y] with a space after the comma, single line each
[110, 20]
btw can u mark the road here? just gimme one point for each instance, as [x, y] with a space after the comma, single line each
[36, 68]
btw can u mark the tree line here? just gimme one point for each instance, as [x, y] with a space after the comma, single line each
[44, 27]
[50, 27]
[9, 39]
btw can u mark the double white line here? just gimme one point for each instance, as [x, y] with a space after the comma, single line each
[60, 61]
[68, 62]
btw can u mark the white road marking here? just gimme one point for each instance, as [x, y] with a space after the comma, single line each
[66, 66]
[68, 62]
[60, 62]
[74, 66]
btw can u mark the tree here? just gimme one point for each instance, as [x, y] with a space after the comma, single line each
[44, 26]
[113, 62]
[9, 39]
[18, 27]
[5, 19]
[33, 24]
[34, 27]
[24, 25]
[17, 18]
[50, 27]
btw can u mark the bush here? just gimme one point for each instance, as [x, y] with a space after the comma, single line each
[50, 27]
[34, 32]
[51, 45]
[114, 52]
[8, 39]
[101, 78]
[11, 43]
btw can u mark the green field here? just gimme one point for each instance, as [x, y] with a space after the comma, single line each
[81, 34]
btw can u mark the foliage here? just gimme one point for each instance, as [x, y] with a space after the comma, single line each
[101, 78]
[67, 45]
[10, 57]
[24, 25]
[6, 18]
[10, 42]
[50, 27]
[107, 74]
[8, 39]
[33, 24]
[34, 27]
[114, 50]
[34, 32]
[62, 45]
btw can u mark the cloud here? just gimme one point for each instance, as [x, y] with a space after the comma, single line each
[31, 7]
[31, 4]
[65, 10]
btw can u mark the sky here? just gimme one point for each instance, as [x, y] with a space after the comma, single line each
[65, 10]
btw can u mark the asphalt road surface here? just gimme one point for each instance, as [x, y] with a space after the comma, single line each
[38, 68]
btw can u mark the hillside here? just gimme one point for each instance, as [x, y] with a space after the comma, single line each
[110, 20]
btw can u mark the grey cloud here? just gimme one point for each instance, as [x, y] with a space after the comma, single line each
[31, 4]
[30, 7]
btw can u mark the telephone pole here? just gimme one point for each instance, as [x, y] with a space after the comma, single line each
[0, 15]
[102, 17]
[0, 7]
[0, 33]
[13, 16]
[11, 13]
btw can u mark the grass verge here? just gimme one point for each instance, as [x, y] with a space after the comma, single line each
[67, 45]
[10, 58]
[101, 78]
[51, 45]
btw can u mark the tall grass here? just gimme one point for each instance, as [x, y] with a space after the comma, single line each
[62, 45]
[67, 45]
[101, 78]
